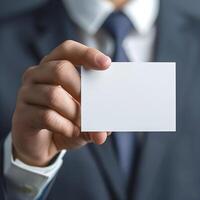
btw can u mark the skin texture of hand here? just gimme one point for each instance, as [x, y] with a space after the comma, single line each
[47, 115]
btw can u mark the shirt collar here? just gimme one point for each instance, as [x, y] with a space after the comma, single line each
[90, 14]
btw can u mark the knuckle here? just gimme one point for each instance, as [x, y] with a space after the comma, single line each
[59, 69]
[53, 95]
[68, 43]
[89, 54]
[28, 74]
[47, 117]
[23, 91]
[76, 131]
[91, 51]
[73, 130]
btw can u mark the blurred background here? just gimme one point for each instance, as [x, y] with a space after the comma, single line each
[12, 7]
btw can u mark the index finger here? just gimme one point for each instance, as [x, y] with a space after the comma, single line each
[79, 54]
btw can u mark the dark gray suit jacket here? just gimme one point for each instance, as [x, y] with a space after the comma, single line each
[169, 164]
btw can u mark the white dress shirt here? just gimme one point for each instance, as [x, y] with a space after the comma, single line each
[89, 15]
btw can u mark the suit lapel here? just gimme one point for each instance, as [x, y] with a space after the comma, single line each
[53, 26]
[105, 156]
[171, 46]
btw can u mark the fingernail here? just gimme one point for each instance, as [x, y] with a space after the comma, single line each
[102, 60]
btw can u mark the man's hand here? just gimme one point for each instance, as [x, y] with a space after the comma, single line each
[47, 115]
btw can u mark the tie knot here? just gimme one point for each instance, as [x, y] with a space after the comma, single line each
[118, 25]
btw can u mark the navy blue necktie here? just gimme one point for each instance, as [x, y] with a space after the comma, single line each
[119, 26]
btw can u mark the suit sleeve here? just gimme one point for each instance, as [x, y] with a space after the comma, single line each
[25, 182]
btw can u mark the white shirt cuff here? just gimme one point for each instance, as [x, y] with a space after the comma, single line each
[28, 182]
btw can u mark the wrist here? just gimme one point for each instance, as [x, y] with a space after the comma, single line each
[37, 161]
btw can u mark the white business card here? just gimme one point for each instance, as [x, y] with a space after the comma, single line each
[132, 96]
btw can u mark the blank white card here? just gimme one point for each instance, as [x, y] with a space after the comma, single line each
[132, 96]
